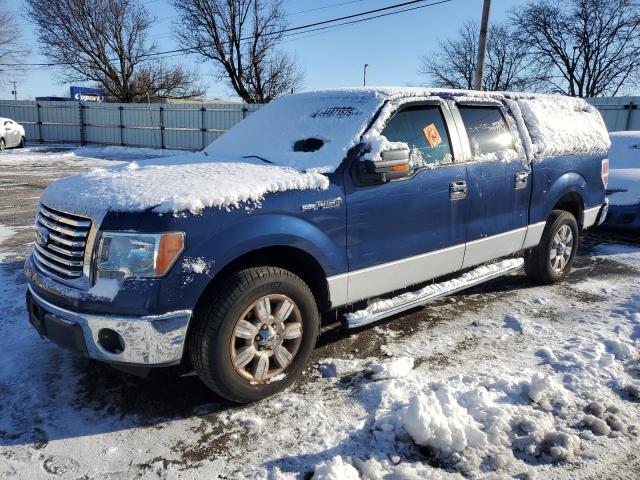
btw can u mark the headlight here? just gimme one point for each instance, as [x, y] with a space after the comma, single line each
[122, 255]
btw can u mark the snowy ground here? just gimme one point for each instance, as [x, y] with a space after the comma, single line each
[508, 380]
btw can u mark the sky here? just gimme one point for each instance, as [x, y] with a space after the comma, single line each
[392, 46]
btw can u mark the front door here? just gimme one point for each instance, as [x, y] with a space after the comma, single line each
[499, 186]
[408, 231]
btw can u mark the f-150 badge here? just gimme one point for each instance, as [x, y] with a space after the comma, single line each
[322, 204]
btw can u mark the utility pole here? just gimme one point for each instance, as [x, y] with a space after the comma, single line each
[482, 44]
[14, 92]
[364, 80]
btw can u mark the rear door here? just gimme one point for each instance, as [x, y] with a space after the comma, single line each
[498, 180]
[407, 231]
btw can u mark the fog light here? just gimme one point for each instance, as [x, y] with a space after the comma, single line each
[111, 341]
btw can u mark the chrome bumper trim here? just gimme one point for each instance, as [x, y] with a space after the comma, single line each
[149, 340]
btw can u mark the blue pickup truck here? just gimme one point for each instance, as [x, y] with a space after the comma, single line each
[358, 202]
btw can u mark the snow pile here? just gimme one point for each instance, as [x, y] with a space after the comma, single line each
[563, 126]
[437, 420]
[335, 469]
[436, 289]
[391, 368]
[189, 182]
[624, 165]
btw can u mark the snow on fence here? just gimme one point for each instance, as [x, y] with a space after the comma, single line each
[619, 113]
[190, 126]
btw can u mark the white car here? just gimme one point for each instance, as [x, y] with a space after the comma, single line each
[11, 134]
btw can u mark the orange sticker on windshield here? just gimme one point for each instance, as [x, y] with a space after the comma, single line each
[432, 135]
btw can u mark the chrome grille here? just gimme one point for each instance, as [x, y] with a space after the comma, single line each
[61, 240]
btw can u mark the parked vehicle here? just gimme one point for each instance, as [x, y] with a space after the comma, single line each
[11, 134]
[624, 186]
[345, 201]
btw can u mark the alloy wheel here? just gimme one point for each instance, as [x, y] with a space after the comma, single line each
[266, 338]
[561, 249]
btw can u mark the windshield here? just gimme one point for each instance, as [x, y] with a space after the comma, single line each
[309, 131]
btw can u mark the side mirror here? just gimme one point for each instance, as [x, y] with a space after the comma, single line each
[393, 165]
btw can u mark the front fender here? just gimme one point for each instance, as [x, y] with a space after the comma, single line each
[270, 230]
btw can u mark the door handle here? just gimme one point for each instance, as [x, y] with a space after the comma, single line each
[458, 190]
[522, 179]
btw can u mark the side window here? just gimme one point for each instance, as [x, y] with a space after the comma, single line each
[424, 130]
[487, 130]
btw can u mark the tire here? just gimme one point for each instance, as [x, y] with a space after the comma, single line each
[2, 144]
[226, 328]
[22, 142]
[551, 260]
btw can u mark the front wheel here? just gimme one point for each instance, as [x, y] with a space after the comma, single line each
[2, 144]
[551, 260]
[253, 336]
[22, 142]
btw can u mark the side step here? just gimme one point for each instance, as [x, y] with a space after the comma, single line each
[386, 308]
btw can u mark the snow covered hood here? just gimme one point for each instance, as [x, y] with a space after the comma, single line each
[185, 182]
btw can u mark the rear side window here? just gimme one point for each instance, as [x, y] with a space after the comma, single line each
[487, 130]
[423, 130]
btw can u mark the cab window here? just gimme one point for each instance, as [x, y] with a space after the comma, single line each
[487, 130]
[423, 129]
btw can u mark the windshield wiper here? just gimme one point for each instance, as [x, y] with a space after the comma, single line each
[259, 158]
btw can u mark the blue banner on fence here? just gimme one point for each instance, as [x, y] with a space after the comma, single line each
[86, 94]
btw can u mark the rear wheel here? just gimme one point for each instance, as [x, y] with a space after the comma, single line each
[2, 144]
[253, 336]
[551, 260]
[21, 144]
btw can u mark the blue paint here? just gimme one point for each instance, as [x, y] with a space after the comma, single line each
[373, 225]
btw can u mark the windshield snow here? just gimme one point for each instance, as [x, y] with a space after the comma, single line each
[309, 131]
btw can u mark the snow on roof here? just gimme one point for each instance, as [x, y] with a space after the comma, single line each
[557, 125]
[186, 182]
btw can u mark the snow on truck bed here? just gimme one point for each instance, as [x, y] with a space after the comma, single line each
[289, 143]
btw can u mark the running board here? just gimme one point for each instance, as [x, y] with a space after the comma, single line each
[386, 308]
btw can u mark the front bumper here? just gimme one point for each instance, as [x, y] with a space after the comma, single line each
[145, 340]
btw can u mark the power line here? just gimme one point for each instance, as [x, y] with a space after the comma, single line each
[325, 7]
[322, 25]
[287, 32]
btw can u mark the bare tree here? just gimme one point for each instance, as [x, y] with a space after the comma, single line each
[11, 51]
[241, 37]
[591, 46]
[507, 65]
[105, 41]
